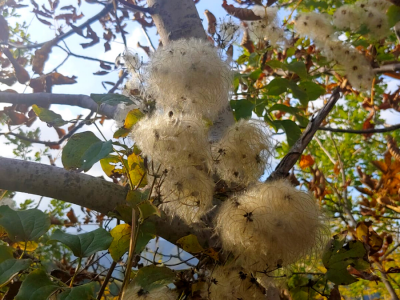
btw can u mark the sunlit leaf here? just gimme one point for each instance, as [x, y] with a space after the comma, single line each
[48, 116]
[121, 237]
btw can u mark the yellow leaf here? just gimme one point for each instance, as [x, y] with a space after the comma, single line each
[212, 253]
[132, 118]
[30, 246]
[306, 161]
[137, 170]
[120, 244]
[190, 244]
[112, 165]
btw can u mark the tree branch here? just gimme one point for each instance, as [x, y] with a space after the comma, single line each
[290, 159]
[60, 37]
[363, 131]
[43, 99]
[135, 7]
[388, 68]
[85, 190]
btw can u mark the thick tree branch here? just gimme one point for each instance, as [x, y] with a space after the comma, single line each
[43, 99]
[290, 159]
[134, 7]
[63, 36]
[85, 190]
[388, 68]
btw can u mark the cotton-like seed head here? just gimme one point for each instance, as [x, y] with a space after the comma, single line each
[314, 25]
[377, 23]
[271, 224]
[243, 153]
[187, 192]
[173, 140]
[381, 5]
[134, 292]
[349, 17]
[268, 13]
[9, 202]
[228, 283]
[189, 76]
[228, 32]
[132, 62]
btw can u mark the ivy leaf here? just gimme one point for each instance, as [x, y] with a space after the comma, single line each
[293, 131]
[48, 116]
[11, 267]
[82, 292]
[190, 244]
[147, 209]
[110, 99]
[242, 109]
[24, 225]
[96, 152]
[147, 232]
[121, 237]
[76, 148]
[393, 14]
[85, 244]
[153, 277]
[37, 286]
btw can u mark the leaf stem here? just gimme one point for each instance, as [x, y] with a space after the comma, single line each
[76, 271]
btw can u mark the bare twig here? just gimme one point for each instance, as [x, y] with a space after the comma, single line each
[290, 159]
[363, 131]
[63, 36]
[117, 84]
[106, 280]
[326, 151]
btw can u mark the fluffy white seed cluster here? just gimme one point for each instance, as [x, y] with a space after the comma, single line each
[187, 192]
[371, 14]
[268, 27]
[9, 202]
[318, 28]
[228, 32]
[173, 140]
[243, 153]
[270, 224]
[189, 76]
[135, 292]
[228, 283]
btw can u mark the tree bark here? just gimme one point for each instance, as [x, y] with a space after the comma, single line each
[85, 190]
[44, 99]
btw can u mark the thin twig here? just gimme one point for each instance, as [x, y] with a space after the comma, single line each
[106, 280]
[364, 131]
[326, 151]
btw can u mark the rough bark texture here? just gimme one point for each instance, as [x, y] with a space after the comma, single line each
[176, 19]
[44, 99]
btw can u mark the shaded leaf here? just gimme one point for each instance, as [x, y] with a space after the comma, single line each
[293, 131]
[11, 267]
[24, 225]
[153, 277]
[6, 252]
[85, 244]
[393, 15]
[121, 237]
[96, 152]
[110, 99]
[147, 209]
[82, 292]
[147, 231]
[299, 68]
[312, 89]
[37, 286]
[190, 244]
[242, 109]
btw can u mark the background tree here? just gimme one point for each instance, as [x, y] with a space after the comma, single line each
[295, 60]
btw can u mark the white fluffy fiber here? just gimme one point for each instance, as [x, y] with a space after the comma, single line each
[173, 140]
[187, 192]
[272, 223]
[243, 153]
[189, 76]
[135, 292]
[318, 27]
[227, 283]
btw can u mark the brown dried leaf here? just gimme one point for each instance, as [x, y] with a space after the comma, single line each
[41, 56]
[212, 22]
[90, 35]
[144, 48]
[16, 118]
[306, 161]
[107, 46]
[60, 132]
[101, 73]
[43, 21]
[243, 14]
[72, 217]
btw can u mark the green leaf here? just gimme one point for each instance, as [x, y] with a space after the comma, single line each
[254, 58]
[242, 109]
[147, 209]
[393, 14]
[299, 93]
[147, 231]
[277, 86]
[134, 197]
[121, 133]
[276, 64]
[96, 152]
[339, 256]
[293, 131]
[24, 225]
[190, 244]
[37, 286]
[299, 68]
[48, 116]
[288, 109]
[76, 147]
[121, 238]
[110, 99]
[85, 244]
[82, 292]
[255, 74]
[313, 90]
[5, 253]
[11, 267]
[153, 277]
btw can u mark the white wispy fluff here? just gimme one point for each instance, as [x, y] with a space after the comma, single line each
[271, 224]
[134, 292]
[189, 76]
